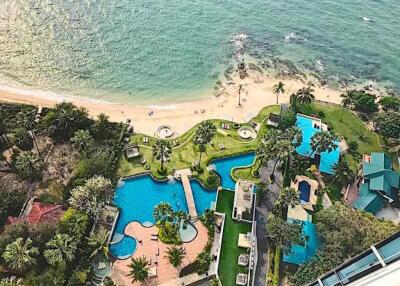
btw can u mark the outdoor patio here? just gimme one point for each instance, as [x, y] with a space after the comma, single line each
[165, 273]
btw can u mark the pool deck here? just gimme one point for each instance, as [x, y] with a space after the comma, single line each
[166, 274]
[184, 175]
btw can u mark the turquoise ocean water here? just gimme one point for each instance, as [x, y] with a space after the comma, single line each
[154, 51]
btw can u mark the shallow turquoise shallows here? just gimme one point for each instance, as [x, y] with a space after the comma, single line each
[161, 51]
[136, 198]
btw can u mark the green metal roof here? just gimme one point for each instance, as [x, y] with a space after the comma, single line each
[380, 174]
[367, 200]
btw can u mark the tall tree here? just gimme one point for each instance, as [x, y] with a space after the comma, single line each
[83, 141]
[278, 89]
[280, 146]
[342, 172]
[203, 136]
[323, 141]
[347, 101]
[23, 139]
[60, 249]
[168, 220]
[175, 255]
[139, 269]
[26, 120]
[98, 241]
[20, 255]
[162, 151]
[305, 95]
[283, 234]
[92, 196]
[102, 126]
[288, 197]
[29, 165]
[64, 120]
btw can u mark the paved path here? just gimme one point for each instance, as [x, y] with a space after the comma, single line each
[184, 175]
[262, 212]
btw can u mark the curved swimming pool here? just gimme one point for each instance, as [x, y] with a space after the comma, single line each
[136, 197]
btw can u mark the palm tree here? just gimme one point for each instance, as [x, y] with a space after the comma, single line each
[323, 141]
[347, 100]
[19, 255]
[26, 119]
[342, 172]
[162, 151]
[101, 126]
[60, 249]
[29, 165]
[139, 269]
[83, 141]
[204, 134]
[22, 139]
[287, 197]
[278, 89]
[175, 255]
[99, 242]
[203, 260]
[305, 95]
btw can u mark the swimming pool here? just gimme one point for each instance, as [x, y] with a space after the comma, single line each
[224, 166]
[304, 189]
[328, 159]
[137, 196]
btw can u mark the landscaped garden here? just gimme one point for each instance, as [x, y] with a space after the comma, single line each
[228, 267]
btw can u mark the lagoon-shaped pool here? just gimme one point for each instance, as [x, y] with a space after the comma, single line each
[136, 197]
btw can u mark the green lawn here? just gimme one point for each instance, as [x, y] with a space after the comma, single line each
[185, 153]
[351, 128]
[228, 267]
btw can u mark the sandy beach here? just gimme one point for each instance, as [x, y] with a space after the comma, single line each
[257, 93]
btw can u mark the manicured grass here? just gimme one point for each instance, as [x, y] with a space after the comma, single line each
[186, 152]
[351, 128]
[230, 252]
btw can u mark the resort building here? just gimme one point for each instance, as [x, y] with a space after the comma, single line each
[377, 266]
[300, 254]
[243, 201]
[309, 126]
[379, 184]
[308, 191]
[37, 212]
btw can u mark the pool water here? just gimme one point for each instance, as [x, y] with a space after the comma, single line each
[136, 198]
[328, 159]
[224, 166]
[304, 189]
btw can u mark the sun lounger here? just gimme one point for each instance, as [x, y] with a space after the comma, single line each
[144, 161]
[156, 260]
[157, 252]
[154, 237]
[150, 261]
[145, 140]
[221, 146]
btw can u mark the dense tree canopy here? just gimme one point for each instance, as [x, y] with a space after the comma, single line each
[92, 196]
[342, 238]
[388, 124]
[364, 102]
[64, 120]
[390, 103]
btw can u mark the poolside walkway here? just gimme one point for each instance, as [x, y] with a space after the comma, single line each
[154, 250]
[184, 175]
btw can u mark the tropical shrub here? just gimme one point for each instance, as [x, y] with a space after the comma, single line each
[390, 103]
[364, 102]
[388, 124]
